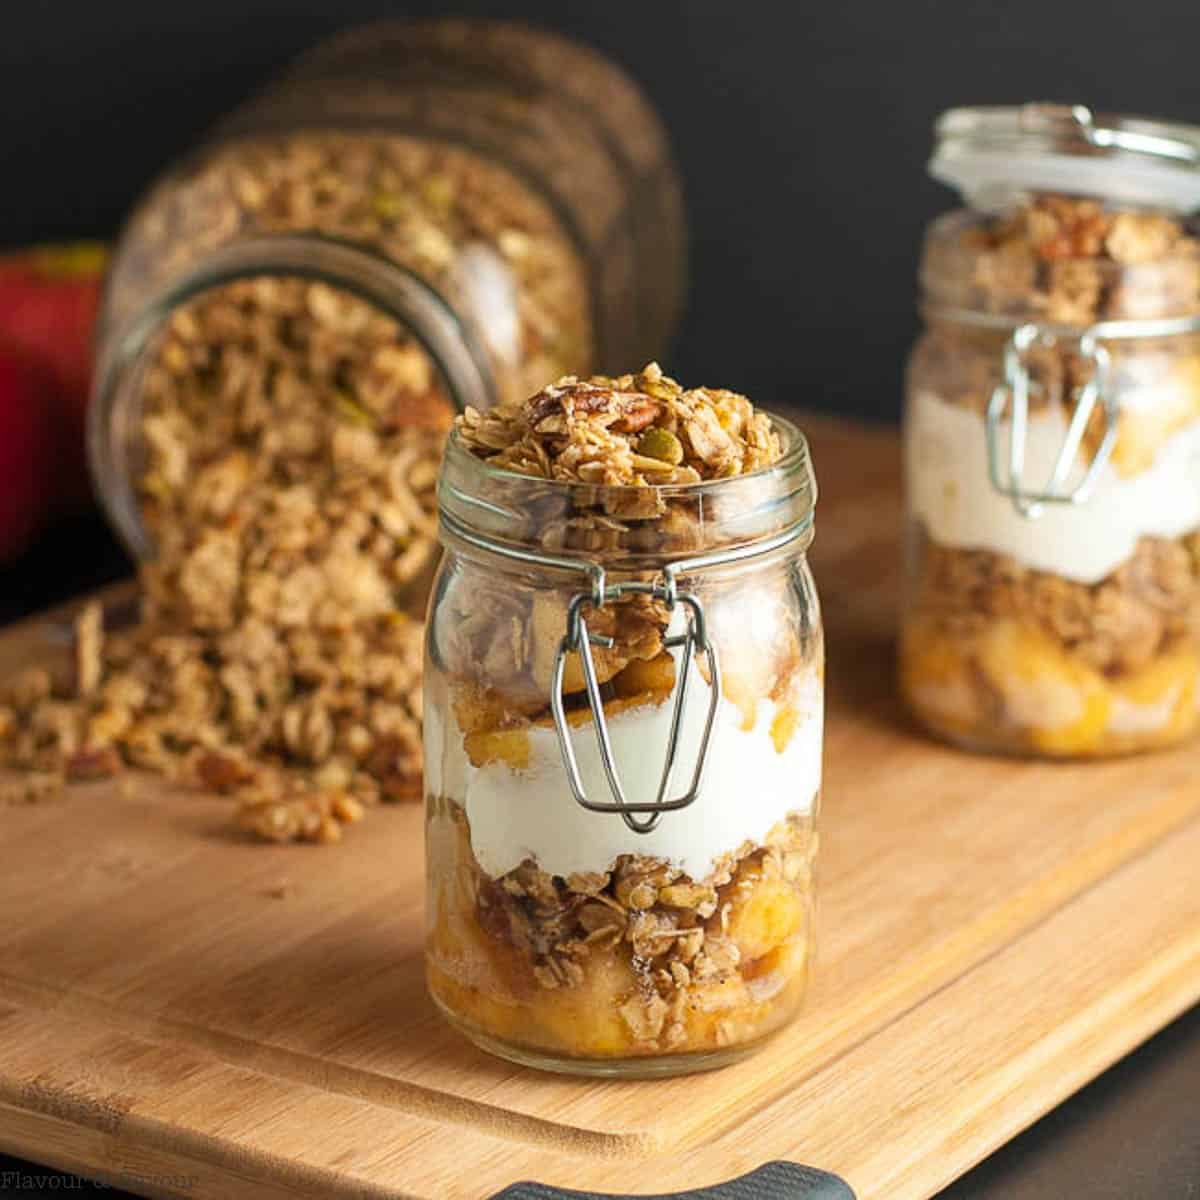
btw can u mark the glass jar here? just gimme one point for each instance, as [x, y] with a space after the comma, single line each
[1052, 438]
[623, 730]
[459, 210]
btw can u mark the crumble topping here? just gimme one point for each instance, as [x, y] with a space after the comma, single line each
[1071, 261]
[632, 430]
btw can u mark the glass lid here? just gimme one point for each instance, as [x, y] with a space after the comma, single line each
[988, 153]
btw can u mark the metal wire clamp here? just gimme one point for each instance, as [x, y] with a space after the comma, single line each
[1014, 391]
[1016, 387]
[644, 816]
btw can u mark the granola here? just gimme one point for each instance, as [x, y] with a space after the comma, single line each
[994, 653]
[597, 433]
[454, 217]
[285, 435]
[290, 441]
[1071, 262]
[303, 729]
[645, 960]
[632, 430]
[1117, 626]
[292, 438]
[1068, 260]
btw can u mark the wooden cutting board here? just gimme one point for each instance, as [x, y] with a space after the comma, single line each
[194, 1015]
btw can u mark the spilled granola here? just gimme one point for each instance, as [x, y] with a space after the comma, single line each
[292, 437]
[290, 441]
[302, 729]
[285, 436]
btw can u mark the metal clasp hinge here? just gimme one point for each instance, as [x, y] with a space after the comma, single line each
[696, 638]
[640, 816]
[1015, 391]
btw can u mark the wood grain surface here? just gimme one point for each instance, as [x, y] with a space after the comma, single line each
[993, 934]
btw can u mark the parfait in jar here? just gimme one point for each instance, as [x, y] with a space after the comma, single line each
[623, 727]
[1052, 438]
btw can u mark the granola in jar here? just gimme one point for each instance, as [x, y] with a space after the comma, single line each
[291, 439]
[613, 544]
[1052, 432]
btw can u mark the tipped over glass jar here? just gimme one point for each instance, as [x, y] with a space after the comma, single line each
[623, 728]
[1052, 438]
[413, 219]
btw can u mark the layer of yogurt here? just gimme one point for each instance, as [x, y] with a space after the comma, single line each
[749, 786]
[951, 493]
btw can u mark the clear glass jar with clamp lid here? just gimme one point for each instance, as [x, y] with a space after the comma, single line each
[623, 729]
[1052, 437]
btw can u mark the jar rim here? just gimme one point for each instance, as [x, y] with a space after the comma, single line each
[504, 509]
[351, 267]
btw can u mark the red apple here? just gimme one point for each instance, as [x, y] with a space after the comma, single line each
[29, 467]
[49, 296]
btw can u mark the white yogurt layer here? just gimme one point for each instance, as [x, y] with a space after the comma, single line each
[749, 787]
[951, 493]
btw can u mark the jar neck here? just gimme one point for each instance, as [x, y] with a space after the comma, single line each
[129, 339]
[536, 523]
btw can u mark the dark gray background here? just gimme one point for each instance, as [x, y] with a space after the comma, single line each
[802, 131]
